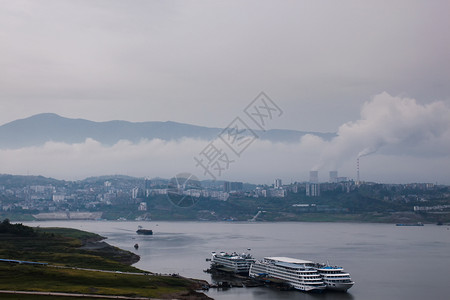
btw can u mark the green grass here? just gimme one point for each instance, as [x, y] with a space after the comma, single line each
[63, 246]
[44, 278]
[40, 297]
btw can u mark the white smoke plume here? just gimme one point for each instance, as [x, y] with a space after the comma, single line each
[366, 152]
[393, 125]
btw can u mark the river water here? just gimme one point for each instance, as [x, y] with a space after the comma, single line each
[384, 260]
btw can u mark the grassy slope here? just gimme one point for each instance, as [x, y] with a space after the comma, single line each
[42, 278]
[60, 246]
[39, 297]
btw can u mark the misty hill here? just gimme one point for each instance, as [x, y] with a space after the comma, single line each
[41, 128]
[14, 181]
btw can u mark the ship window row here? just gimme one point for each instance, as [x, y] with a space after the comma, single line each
[284, 275]
[282, 272]
[297, 270]
[312, 272]
[256, 270]
[295, 278]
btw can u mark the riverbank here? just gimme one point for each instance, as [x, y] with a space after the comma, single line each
[58, 259]
[291, 215]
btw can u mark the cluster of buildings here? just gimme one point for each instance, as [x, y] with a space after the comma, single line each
[93, 195]
[96, 194]
[432, 208]
[62, 196]
[165, 187]
[311, 188]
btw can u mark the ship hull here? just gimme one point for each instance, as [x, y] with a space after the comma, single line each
[145, 231]
[341, 287]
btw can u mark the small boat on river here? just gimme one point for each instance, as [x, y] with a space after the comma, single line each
[144, 231]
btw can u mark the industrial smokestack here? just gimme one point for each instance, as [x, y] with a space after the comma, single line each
[357, 171]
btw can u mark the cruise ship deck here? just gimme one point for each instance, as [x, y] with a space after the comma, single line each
[300, 274]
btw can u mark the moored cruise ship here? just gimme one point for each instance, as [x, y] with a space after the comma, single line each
[334, 277]
[300, 274]
[236, 263]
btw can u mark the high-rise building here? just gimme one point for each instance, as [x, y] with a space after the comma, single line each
[333, 176]
[134, 192]
[137, 193]
[312, 189]
[232, 186]
[147, 184]
[278, 184]
[314, 176]
[226, 186]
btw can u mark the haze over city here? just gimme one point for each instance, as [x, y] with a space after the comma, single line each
[376, 74]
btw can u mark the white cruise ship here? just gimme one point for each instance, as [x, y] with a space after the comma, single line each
[300, 274]
[236, 263]
[335, 278]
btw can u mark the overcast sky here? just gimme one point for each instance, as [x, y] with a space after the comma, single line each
[325, 63]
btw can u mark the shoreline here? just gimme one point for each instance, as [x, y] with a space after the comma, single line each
[72, 261]
[344, 221]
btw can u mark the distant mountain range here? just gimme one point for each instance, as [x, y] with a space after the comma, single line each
[39, 129]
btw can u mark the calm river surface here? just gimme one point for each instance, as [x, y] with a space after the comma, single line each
[385, 261]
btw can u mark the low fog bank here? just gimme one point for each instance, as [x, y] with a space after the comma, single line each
[397, 139]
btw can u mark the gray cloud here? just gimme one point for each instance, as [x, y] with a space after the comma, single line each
[145, 60]
[407, 142]
[203, 62]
